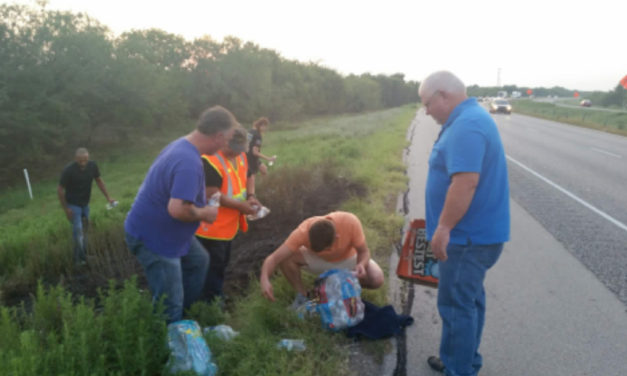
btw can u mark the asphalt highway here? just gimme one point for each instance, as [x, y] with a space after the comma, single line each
[572, 180]
[556, 299]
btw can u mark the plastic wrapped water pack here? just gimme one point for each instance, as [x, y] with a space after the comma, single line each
[188, 349]
[337, 294]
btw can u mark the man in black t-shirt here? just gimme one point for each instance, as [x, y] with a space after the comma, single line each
[74, 192]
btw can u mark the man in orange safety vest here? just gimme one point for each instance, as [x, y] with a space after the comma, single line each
[227, 186]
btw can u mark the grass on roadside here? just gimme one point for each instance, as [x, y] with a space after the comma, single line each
[613, 122]
[36, 243]
[59, 335]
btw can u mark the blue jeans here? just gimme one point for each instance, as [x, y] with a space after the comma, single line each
[461, 303]
[80, 221]
[179, 279]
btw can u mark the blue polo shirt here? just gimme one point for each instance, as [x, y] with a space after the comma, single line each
[470, 142]
[176, 173]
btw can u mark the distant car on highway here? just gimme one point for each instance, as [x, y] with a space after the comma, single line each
[585, 103]
[500, 105]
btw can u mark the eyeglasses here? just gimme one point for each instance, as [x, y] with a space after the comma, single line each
[427, 103]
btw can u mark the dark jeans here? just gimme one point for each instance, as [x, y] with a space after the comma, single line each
[179, 279]
[461, 303]
[220, 254]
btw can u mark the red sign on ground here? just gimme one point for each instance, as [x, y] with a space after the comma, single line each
[576, 94]
[529, 91]
[624, 82]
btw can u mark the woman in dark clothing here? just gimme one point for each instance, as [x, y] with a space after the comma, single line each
[254, 154]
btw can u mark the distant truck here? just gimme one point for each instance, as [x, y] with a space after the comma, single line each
[501, 94]
[516, 94]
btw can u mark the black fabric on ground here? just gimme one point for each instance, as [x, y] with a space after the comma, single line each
[379, 322]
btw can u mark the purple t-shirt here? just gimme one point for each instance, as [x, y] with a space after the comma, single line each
[176, 173]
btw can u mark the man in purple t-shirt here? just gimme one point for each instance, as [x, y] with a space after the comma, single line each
[168, 208]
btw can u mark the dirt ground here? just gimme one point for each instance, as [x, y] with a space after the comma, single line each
[292, 196]
[267, 234]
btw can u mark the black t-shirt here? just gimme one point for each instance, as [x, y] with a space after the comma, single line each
[212, 177]
[77, 182]
[253, 161]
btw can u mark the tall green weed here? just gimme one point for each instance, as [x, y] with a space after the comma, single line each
[118, 332]
[124, 334]
[262, 325]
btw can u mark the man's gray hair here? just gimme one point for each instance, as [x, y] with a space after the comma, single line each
[442, 81]
[81, 152]
[215, 119]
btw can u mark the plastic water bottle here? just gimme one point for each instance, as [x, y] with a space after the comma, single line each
[260, 212]
[272, 162]
[338, 310]
[224, 332]
[292, 344]
[214, 200]
[111, 205]
[343, 306]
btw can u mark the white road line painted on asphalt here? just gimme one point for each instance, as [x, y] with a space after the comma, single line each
[606, 152]
[569, 194]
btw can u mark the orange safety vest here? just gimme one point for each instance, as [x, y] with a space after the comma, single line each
[229, 220]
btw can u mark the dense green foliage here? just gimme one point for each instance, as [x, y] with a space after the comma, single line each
[614, 98]
[491, 91]
[61, 336]
[65, 82]
[116, 332]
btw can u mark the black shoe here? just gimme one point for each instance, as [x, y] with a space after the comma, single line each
[436, 364]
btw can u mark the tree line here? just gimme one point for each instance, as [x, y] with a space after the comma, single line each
[613, 98]
[66, 81]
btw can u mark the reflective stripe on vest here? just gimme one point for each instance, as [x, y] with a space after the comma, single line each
[229, 192]
[234, 181]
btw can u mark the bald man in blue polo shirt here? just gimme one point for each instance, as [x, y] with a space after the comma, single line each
[467, 215]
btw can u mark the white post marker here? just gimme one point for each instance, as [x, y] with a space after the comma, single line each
[30, 191]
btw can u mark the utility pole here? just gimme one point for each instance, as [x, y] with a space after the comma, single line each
[498, 77]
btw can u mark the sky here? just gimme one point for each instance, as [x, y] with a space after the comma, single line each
[579, 45]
